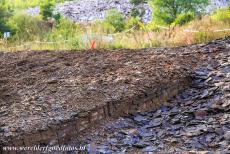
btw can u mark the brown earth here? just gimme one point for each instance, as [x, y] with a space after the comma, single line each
[41, 89]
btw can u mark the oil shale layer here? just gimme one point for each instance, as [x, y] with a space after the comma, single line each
[49, 97]
[197, 120]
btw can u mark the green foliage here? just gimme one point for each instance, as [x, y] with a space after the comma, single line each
[116, 45]
[22, 4]
[201, 37]
[133, 22]
[5, 14]
[31, 28]
[46, 9]
[137, 12]
[222, 15]
[184, 18]
[137, 2]
[115, 19]
[166, 11]
[66, 31]
[57, 17]
[27, 27]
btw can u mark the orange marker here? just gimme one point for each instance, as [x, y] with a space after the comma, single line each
[92, 44]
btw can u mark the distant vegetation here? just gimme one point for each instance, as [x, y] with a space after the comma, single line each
[168, 11]
[22, 4]
[5, 14]
[180, 26]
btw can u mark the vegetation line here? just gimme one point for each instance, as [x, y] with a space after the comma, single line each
[170, 25]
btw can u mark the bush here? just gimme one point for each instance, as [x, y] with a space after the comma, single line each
[116, 45]
[137, 2]
[28, 27]
[167, 11]
[115, 19]
[137, 12]
[133, 22]
[184, 18]
[5, 14]
[66, 31]
[46, 9]
[222, 15]
[201, 37]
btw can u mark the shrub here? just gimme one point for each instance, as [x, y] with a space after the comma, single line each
[46, 9]
[133, 22]
[66, 31]
[5, 14]
[28, 27]
[222, 15]
[116, 19]
[107, 28]
[201, 37]
[137, 2]
[57, 17]
[116, 45]
[137, 12]
[184, 18]
[167, 11]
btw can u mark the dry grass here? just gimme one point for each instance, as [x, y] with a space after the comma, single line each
[204, 31]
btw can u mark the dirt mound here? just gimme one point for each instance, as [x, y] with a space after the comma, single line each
[42, 89]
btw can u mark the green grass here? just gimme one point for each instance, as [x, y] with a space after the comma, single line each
[32, 33]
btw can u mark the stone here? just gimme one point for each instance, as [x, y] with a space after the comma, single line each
[205, 93]
[155, 122]
[129, 131]
[149, 149]
[195, 130]
[141, 144]
[227, 136]
[200, 115]
[140, 119]
[129, 141]
[112, 141]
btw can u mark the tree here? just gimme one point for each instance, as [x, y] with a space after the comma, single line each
[167, 11]
[137, 12]
[47, 12]
[5, 14]
[184, 18]
[46, 9]
[115, 19]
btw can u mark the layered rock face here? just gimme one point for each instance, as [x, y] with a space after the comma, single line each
[91, 10]
[51, 97]
[196, 120]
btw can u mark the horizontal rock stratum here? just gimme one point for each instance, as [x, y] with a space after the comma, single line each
[47, 97]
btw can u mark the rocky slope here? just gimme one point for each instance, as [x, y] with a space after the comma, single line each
[197, 120]
[51, 97]
[90, 10]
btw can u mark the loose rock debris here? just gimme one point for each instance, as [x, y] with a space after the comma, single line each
[91, 10]
[39, 90]
[196, 120]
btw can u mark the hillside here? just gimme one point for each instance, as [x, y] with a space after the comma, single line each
[91, 10]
